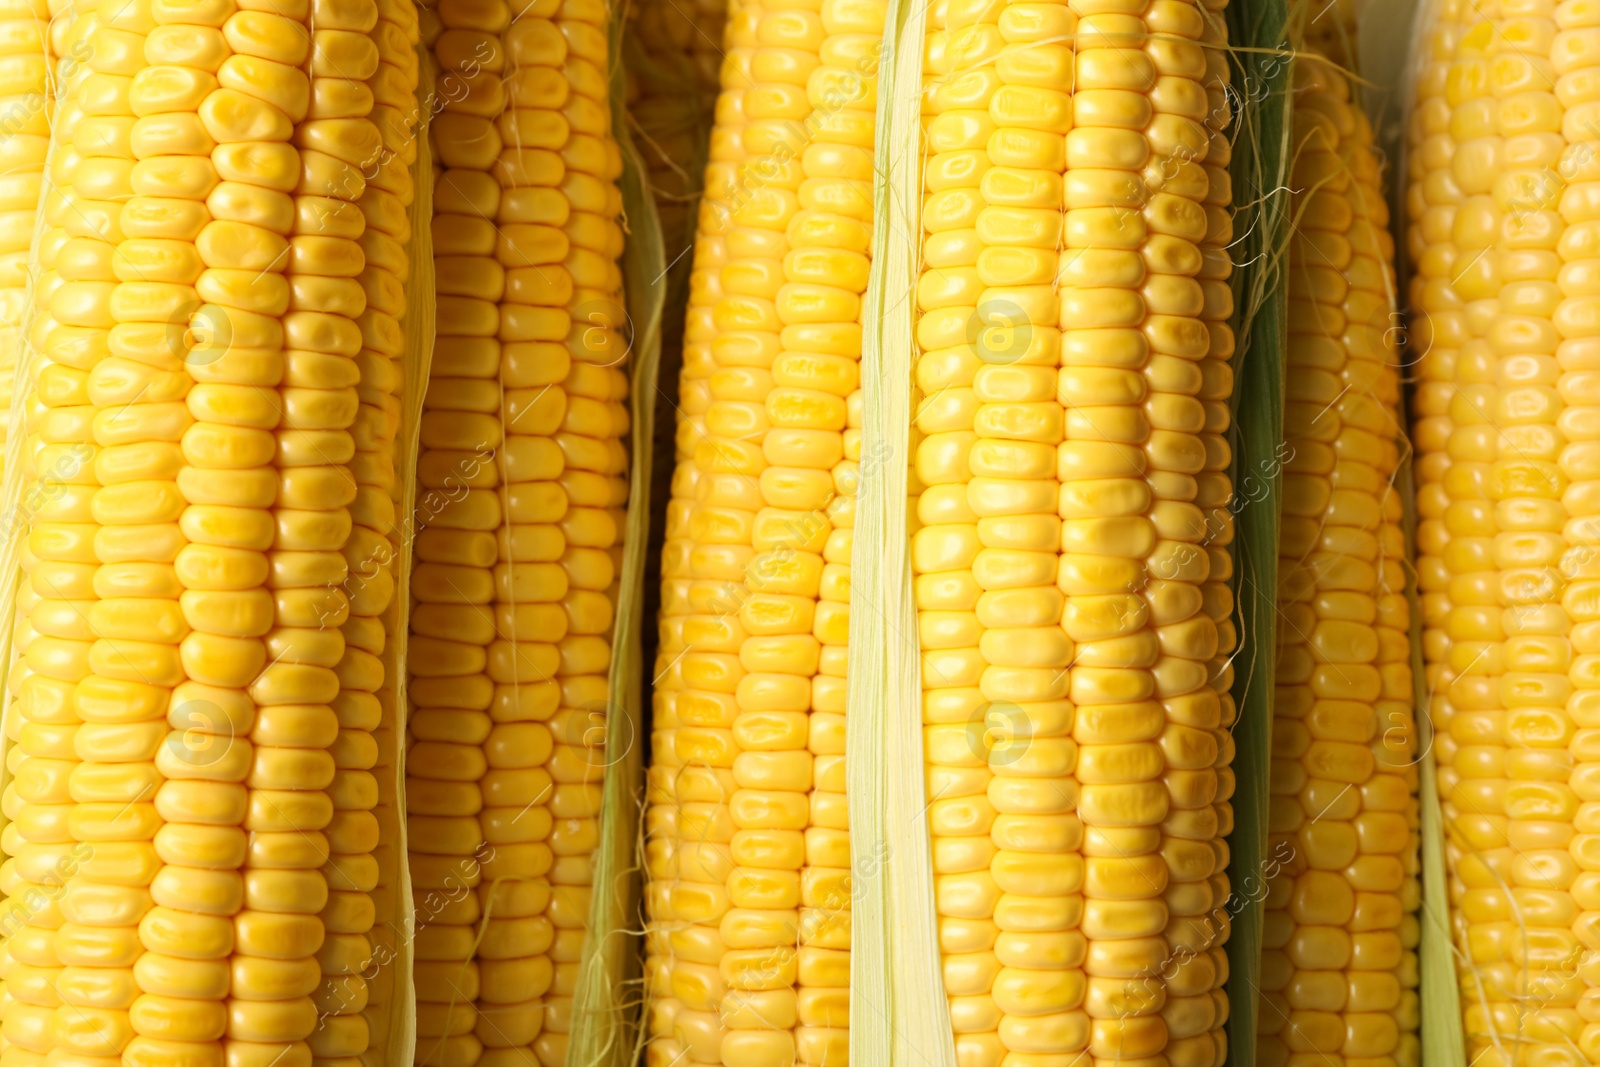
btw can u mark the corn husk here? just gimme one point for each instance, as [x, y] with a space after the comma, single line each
[604, 1011]
[392, 944]
[898, 1011]
[393, 1015]
[1262, 74]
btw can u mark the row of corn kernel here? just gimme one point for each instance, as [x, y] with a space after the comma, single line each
[1126, 352]
[961, 77]
[534, 401]
[1193, 111]
[1551, 290]
[1018, 494]
[37, 800]
[37, 840]
[692, 594]
[367, 746]
[366, 705]
[1433, 198]
[685, 591]
[1116, 589]
[1217, 502]
[174, 236]
[1502, 236]
[247, 440]
[796, 441]
[451, 627]
[357, 863]
[1437, 333]
[594, 481]
[1141, 857]
[722, 351]
[298, 835]
[1193, 149]
[126, 657]
[1390, 804]
[24, 99]
[1578, 360]
[1471, 767]
[789, 890]
[1516, 451]
[31, 44]
[830, 239]
[1018, 959]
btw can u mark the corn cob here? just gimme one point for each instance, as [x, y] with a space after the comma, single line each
[354, 1000]
[1507, 165]
[1071, 563]
[749, 849]
[663, 816]
[1339, 973]
[25, 112]
[200, 325]
[522, 475]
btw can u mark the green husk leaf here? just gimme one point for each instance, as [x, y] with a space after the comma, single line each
[899, 1013]
[393, 943]
[1260, 168]
[604, 1019]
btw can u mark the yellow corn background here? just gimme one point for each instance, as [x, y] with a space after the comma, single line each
[200, 698]
[1501, 229]
[1339, 971]
[313, 683]
[522, 481]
